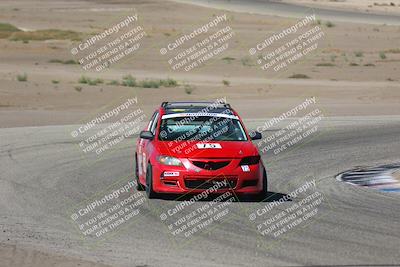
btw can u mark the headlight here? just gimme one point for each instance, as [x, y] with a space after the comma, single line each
[170, 161]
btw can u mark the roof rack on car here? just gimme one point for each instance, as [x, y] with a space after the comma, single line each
[197, 104]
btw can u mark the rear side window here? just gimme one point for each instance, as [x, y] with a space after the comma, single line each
[154, 124]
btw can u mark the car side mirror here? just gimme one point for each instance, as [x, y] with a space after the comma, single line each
[146, 135]
[254, 135]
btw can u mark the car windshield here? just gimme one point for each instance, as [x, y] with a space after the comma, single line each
[201, 128]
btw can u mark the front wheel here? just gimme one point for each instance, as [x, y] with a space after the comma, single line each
[259, 196]
[149, 182]
[263, 194]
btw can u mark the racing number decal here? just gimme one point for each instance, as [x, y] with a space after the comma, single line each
[208, 145]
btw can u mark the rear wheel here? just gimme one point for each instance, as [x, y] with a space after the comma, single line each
[149, 182]
[139, 186]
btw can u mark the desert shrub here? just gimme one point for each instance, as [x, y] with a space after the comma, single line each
[299, 76]
[22, 77]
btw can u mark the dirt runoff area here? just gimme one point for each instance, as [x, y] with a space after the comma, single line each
[12, 255]
[353, 70]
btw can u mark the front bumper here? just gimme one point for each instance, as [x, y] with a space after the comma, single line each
[240, 179]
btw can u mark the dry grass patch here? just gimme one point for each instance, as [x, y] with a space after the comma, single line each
[43, 35]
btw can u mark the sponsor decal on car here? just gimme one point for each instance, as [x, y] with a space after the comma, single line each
[245, 168]
[171, 174]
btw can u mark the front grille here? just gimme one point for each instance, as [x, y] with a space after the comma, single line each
[209, 182]
[210, 165]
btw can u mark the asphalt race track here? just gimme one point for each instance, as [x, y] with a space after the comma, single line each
[268, 7]
[44, 175]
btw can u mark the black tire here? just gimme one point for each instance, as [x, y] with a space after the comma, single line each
[139, 186]
[263, 194]
[259, 196]
[149, 182]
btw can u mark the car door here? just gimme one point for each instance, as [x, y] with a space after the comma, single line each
[143, 147]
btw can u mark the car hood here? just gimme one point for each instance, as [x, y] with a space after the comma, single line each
[215, 149]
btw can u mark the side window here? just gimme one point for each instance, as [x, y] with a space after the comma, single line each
[154, 125]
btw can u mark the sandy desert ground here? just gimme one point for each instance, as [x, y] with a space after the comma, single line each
[355, 76]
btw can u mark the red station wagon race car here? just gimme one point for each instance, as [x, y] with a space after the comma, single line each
[190, 147]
